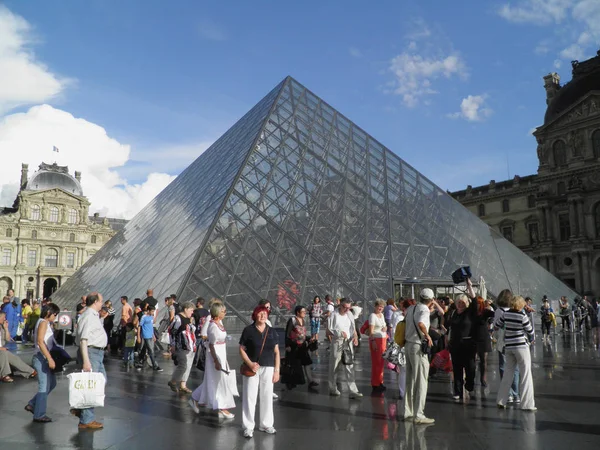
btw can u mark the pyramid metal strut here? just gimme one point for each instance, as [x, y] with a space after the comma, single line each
[294, 201]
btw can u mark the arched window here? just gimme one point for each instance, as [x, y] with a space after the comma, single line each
[531, 201]
[9, 232]
[481, 210]
[53, 214]
[34, 234]
[51, 257]
[560, 154]
[72, 237]
[94, 239]
[35, 212]
[596, 143]
[505, 206]
[561, 188]
[73, 216]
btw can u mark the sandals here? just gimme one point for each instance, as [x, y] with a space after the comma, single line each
[7, 379]
[173, 386]
[44, 419]
[29, 408]
[185, 389]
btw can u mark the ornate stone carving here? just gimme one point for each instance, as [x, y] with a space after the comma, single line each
[585, 109]
[542, 150]
[575, 142]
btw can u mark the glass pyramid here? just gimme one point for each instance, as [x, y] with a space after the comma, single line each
[294, 201]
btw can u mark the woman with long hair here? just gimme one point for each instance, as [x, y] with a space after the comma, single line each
[297, 357]
[42, 362]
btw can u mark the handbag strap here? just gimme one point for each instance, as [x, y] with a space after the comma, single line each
[415, 322]
[263, 342]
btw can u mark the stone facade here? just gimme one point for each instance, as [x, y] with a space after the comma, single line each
[554, 216]
[47, 235]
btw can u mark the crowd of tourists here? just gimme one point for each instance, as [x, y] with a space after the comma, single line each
[413, 339]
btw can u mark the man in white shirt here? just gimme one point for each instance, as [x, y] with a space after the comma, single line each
[92, 340]
[417, 362]
[343, 333]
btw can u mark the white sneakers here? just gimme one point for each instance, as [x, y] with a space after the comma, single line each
[268, 430]
[248, 433]
[424, 421]
[355, 395]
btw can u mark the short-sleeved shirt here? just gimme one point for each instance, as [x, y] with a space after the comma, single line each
[414, 315]
[200, 315]
[147, 326]
[252, 340]
[26, 312]
[130, 338]
[90, 328]
[380, 330]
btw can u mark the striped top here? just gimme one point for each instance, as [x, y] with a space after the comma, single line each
[516, 327]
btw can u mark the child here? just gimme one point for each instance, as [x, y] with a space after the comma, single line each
[130, 339]
[146, 334]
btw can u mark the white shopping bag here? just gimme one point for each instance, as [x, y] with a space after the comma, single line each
[86, 389]
[229, 381]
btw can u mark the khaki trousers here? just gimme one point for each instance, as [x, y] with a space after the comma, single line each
[417, 373]
[11, 363]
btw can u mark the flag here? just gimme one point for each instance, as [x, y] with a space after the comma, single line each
[55, 149]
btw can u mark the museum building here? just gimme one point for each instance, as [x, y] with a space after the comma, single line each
[47, 235]
[554, 215]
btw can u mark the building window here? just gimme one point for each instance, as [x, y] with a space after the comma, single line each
[34, 234]
[505, 206]
[507, 232]
[481, 210]
[73, 216]
[564, 227]
[534, 236]
[94, 239]
[561, 188]
[51, 258]
[32, 258]
[560, 154]
[35, 212]
[9, 232]
[531, 201]
[596, 143]
[54, 214]
[72, 237]
[70, 260]
[6, 256]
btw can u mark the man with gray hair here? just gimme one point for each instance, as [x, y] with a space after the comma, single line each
[417, 361]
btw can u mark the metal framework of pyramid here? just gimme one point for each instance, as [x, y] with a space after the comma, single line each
[294, 201]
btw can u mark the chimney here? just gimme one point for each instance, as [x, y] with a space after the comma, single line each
[78, 176]
[552, 85]
[24, 170]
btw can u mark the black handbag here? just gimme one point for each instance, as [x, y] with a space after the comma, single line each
[347, 354]
[201, 357]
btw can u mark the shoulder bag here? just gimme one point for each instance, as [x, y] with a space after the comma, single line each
[245, 369]
[424, 342]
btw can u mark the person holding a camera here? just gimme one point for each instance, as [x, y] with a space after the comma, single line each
[417, 345]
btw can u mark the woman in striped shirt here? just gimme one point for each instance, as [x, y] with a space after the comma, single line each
[518, 333]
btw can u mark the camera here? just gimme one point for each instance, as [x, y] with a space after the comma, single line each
[461, 274]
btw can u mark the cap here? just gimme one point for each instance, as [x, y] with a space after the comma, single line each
[426, 294]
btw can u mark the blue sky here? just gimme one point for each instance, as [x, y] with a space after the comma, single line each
[454, 88]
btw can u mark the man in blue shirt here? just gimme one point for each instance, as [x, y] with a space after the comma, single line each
[146, 333]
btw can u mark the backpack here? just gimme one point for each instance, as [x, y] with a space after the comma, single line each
[546, 315]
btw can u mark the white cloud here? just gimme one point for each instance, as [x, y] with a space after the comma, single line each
[473, 109]
[86, 147]
[557, 63]
[414, 74]
[580, 18]
[24, 79]
[354, 52]
[28, 137]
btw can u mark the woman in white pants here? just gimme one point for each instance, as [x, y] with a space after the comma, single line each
[259, 350]
[518, 329]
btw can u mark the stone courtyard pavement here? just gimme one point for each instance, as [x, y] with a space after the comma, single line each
[143, 413]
